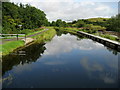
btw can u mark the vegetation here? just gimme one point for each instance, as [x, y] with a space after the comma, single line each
[114, 23]
[45, 36]
[16, 18]
[10, 46]
[59, 23]
[107, 36]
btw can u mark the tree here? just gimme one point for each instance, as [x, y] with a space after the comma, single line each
[59, 23]
[27, 16]
[80, 23]
[114, 23]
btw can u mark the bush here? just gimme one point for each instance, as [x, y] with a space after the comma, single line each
[25, 31]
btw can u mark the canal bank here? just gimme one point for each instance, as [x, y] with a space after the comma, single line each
[40, 37]
[106, 42]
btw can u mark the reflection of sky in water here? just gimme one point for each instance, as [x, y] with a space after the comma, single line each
[66, 43]
[68, 62]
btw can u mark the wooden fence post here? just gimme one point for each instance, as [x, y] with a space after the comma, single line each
[17, 36]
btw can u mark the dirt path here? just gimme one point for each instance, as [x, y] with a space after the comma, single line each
[19, 38]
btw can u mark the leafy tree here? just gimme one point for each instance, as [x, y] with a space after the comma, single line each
[29, 17]
[80, 23]
[114, 23]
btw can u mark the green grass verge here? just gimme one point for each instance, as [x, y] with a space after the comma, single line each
[45, 36]
[74, 31]
[10, 46]
[35, 32]
[107, 36]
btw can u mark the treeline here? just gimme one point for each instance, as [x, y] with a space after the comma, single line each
[59, 23]
[109, 24]
[18, 17]
[93, 24]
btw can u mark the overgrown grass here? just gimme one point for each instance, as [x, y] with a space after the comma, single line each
[10, 46]
[45, 36]
[67, 29]
[35, 32]
[108, 36]
[74, 31]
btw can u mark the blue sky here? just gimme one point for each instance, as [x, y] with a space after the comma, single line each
[70, 10]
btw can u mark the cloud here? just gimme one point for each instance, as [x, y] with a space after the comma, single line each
[109, 80]
[91, 67]
[54, 63]
[22, 68]
[67, 43]
[69, 10]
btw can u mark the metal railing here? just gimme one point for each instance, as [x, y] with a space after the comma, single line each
[17, 35]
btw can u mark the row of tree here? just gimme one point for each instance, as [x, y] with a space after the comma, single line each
[21, 17]
[59, 23]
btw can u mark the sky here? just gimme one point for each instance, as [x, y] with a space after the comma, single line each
[69, 10]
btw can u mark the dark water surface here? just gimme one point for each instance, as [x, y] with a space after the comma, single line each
[64, 62]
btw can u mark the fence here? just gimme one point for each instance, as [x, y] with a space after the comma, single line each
[17, 35]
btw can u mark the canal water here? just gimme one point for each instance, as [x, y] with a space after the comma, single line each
[67, 61]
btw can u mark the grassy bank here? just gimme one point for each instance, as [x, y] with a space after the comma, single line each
[69, 30]
[74, 31]
[108, 36]
[10, 46]
[45, 36]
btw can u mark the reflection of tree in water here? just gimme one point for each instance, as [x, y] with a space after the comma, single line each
[60, 32]
[33, 52]
[80, 37]
[115, 52]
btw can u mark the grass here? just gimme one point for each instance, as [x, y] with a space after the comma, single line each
[35, 32]
[107, 36]
[45, 36]
[10, 46]
[27, 32]
[74, 31]
[67, 29]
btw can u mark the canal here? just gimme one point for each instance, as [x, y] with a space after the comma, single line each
[66, 61]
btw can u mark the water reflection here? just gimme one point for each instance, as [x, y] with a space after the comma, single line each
[64, 62]
[109, 76]
[32, 53]
[66, 43]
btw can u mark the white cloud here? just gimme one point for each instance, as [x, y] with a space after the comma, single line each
[92, 66]
[67, 43]
[71, 9]
[109, 80]
[22, 68]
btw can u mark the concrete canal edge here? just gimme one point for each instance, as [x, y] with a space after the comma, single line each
[28, 40]
[107, 42]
